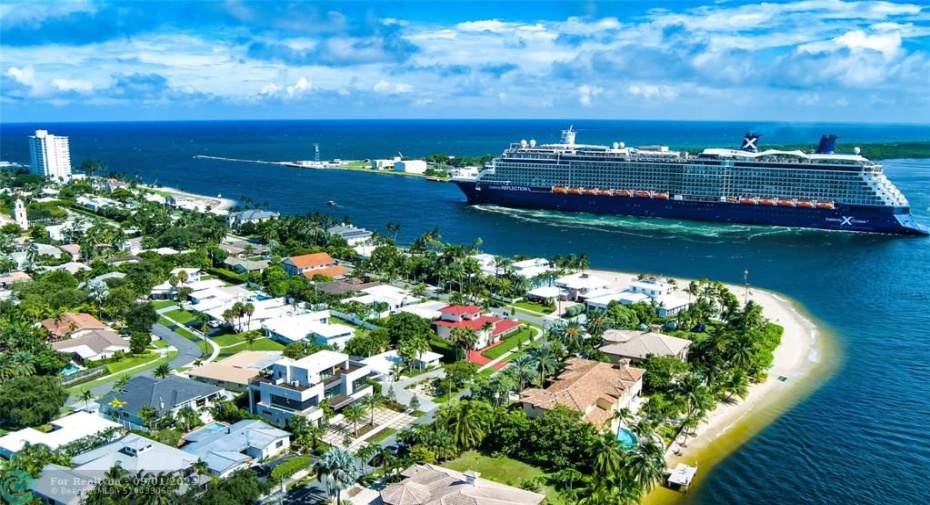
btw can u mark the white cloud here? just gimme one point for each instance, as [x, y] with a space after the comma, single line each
[298, 88]
[392, 88]
[586, 93]
[650, 91]
[76, 85]
[25, 75]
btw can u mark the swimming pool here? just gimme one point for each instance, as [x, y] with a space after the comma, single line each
[626, 438]
[260, 297]
[214, 427]
[72, 368]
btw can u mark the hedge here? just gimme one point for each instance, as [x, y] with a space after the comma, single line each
[285, 470]
[228, 276]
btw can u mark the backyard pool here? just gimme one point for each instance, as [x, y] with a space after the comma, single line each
[214, 427]
[72, 368]
[626, 438]
[259, 297]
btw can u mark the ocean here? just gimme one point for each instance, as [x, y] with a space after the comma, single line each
[860, 438]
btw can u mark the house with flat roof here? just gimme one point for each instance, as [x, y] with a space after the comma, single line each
[92, 345]
[237, 219]
[382, 365]
[60, 485]
[311, 265]
[135, 453]
[636, 345]
[429, 309]
[490, 329]
[297, 387]
[582, 285]
[244, 266]
[71, 324]
[313, 325]
[235, 372]
[170, 394]
[68, 429]
[350, 233]
[226, 449]
[652, 290]
[595, 389]
[434, 485]
[389, 297]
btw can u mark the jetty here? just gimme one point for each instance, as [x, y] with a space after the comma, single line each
[680, 478]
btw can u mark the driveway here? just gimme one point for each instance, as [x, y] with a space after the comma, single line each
[188, 350]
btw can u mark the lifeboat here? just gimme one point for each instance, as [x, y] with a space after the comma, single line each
[643, 194]
[732, 199]
[767, 201]
[590, 191]
[785, 203]
[574, 191]
[623, 192]
[662, 196]
[559, 189]
[749, 201]
[825, 205]
[807, 204]
[605, 192]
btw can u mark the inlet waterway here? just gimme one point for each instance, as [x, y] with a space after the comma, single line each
[858, 434]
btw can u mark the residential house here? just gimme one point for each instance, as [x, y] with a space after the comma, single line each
[582, 285]
[7, 279]
[236, 446]
[651, 290]
[170, 394]
[296, 387]
[244, 266]
[595, 389]
[427, 310]
[237, 219]
[71, 324]
[235, 372]
[60, 485]
[353, 235]
[490, 329]
[135, 453]
[434, 485]
[311, 265]
[534, 270]
[636, 346]
[72, 267]
[92, 345]
[313, 325]
[382, 365]
[386, 297]
[63, 431]
[73, 249]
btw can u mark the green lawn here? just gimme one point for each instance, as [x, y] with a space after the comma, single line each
[534, 307]
[264, 344]
[381, 435]
[130, 362]
[229, 339]
[503, 470]
[112, 377]
[181, 316]
[160, 344]
[510, 342]
[161, 304]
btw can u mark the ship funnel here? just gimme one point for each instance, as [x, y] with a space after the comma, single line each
[827, 144]
[568, 136]
[750, 142]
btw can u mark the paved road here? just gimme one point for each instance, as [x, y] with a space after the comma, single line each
[188, 350]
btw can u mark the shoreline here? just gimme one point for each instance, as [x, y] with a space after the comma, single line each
[222, 204]
[728, 426]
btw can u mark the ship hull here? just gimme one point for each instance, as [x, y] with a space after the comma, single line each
[890, 220]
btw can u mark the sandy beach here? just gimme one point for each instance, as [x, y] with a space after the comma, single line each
[795, 358]
[216, 203]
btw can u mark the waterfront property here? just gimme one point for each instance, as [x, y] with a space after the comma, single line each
[71, 324]
[312, 325]
[581, 285]
[92, 345]
[235, 372]
[636, 345]
[226, 449]
[168, 395]
[389, 297]
[410, 166]
[311, 265]
[595, 389]
[351, 234]
[297, 387]
[64, 431]
[651, 290]
[434, 485]
[50, 156]
[489, 329]
[237, 219]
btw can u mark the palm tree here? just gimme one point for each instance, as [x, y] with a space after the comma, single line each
[6, 368]
[23, 363]
[248, 309]
[500, 385]
[251, 337]
[467, 422]
[337, 469]
[86, 396]
[353, 413]
[120, 385]
[524, 369]
[609, 460]
[97, 291]
[162, 371]
[545, 361]
[646, 465]
[597, 323]
[201, 467]
[372, 402]
[187, 417]
[182, 276]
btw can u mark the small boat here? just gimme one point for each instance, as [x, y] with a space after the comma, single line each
[767, 201]
[732, 199]
[643, 194]
[807, 204]
[749, 201]
[591, 191]
[785, 203]
[826, 205]
[331, 203]
[574, 191]
[623, 192]
[662, 196]
[559, 189]
[605, 192]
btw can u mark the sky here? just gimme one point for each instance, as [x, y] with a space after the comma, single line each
[809, 60]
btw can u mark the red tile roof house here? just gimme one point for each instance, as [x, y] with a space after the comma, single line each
[470, 316]
[71, 324]
[310, 265]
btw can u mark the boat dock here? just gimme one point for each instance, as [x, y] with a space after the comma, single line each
[680, 478]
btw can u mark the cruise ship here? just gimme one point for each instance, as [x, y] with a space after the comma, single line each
[822, 189]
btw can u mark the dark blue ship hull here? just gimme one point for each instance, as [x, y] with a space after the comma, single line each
[870, 219]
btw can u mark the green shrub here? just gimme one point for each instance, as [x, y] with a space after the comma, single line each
[290, 468]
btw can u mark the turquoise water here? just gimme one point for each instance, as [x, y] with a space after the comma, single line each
[626, 438]
[214, 427]
[859, 439]
[72, 368]
[261, 297]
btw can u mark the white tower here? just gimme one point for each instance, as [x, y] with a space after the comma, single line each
[19, 214]
[50, 155]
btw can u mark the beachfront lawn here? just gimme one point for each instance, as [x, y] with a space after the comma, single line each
[162, 304]
[181, 316]
[510, 343]
[131, 361]
[534, 307]
[505, 471]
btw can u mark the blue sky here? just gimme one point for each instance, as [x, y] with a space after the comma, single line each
[811, 60]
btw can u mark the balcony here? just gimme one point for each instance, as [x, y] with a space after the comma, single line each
[281, 384]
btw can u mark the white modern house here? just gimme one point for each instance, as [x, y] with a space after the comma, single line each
[313, 325]
[651, 290]
[351, 233]
[393, 298]
[582, 285]
[64, 431]
[297, 387]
